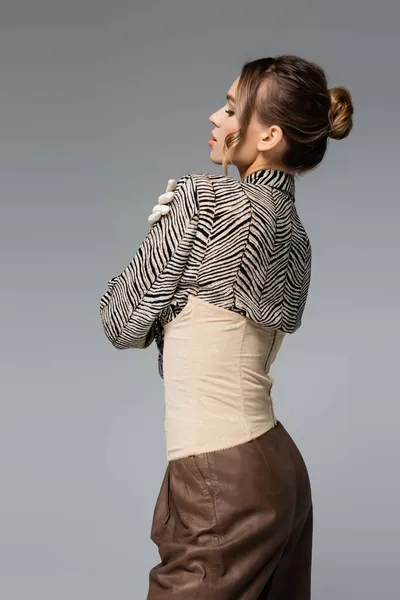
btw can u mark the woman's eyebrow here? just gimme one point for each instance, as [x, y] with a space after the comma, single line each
[230, 98]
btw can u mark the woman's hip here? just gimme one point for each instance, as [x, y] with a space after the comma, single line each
[212, 490]
[223, 519]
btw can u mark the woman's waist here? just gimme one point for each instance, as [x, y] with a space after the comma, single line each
[216, 379]
[206, 413]
[202, 374]
[199, 389]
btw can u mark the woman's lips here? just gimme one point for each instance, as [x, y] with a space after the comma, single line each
[210, 142]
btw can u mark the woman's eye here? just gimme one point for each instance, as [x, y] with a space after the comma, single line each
[229, 112]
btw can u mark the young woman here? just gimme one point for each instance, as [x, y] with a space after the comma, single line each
[218, 282]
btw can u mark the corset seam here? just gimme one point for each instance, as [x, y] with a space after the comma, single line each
[242, 392]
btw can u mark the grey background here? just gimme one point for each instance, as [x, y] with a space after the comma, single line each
[100, 103]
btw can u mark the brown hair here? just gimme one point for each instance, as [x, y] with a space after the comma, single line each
[296, 98]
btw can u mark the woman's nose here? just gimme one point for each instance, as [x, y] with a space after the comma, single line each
[212, 119]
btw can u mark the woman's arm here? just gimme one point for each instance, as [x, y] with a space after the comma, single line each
[135, 297]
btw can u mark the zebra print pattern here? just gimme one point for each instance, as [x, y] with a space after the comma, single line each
[237, 244]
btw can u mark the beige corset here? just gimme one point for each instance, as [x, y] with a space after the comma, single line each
[217, 387]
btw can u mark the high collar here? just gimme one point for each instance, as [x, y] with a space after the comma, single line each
[272, 177]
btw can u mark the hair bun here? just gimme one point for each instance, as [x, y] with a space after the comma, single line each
[340, 113]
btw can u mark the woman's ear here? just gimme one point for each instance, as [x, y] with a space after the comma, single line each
[270, 138]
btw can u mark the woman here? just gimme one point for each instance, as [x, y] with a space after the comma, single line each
[218, 282]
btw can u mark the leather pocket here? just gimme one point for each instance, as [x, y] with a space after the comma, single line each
[201, 468]
[161, 513]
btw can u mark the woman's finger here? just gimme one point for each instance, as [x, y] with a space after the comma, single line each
[165, 198]
[171, 185]
[154, 217]
[161, 208]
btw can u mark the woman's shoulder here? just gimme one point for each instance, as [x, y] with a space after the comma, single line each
[216, 178]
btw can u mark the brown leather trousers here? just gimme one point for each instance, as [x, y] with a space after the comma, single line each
[235, 524]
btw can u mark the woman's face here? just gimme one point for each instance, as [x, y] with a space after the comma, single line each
[225, 122]
[259, 143]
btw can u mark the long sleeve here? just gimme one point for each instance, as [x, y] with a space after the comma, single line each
[134, 298]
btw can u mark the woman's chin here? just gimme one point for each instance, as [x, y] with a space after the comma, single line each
[215, 159]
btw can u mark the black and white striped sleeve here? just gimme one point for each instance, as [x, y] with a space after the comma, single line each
[135, 297]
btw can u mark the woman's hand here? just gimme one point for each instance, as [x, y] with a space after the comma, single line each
[162, 207]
